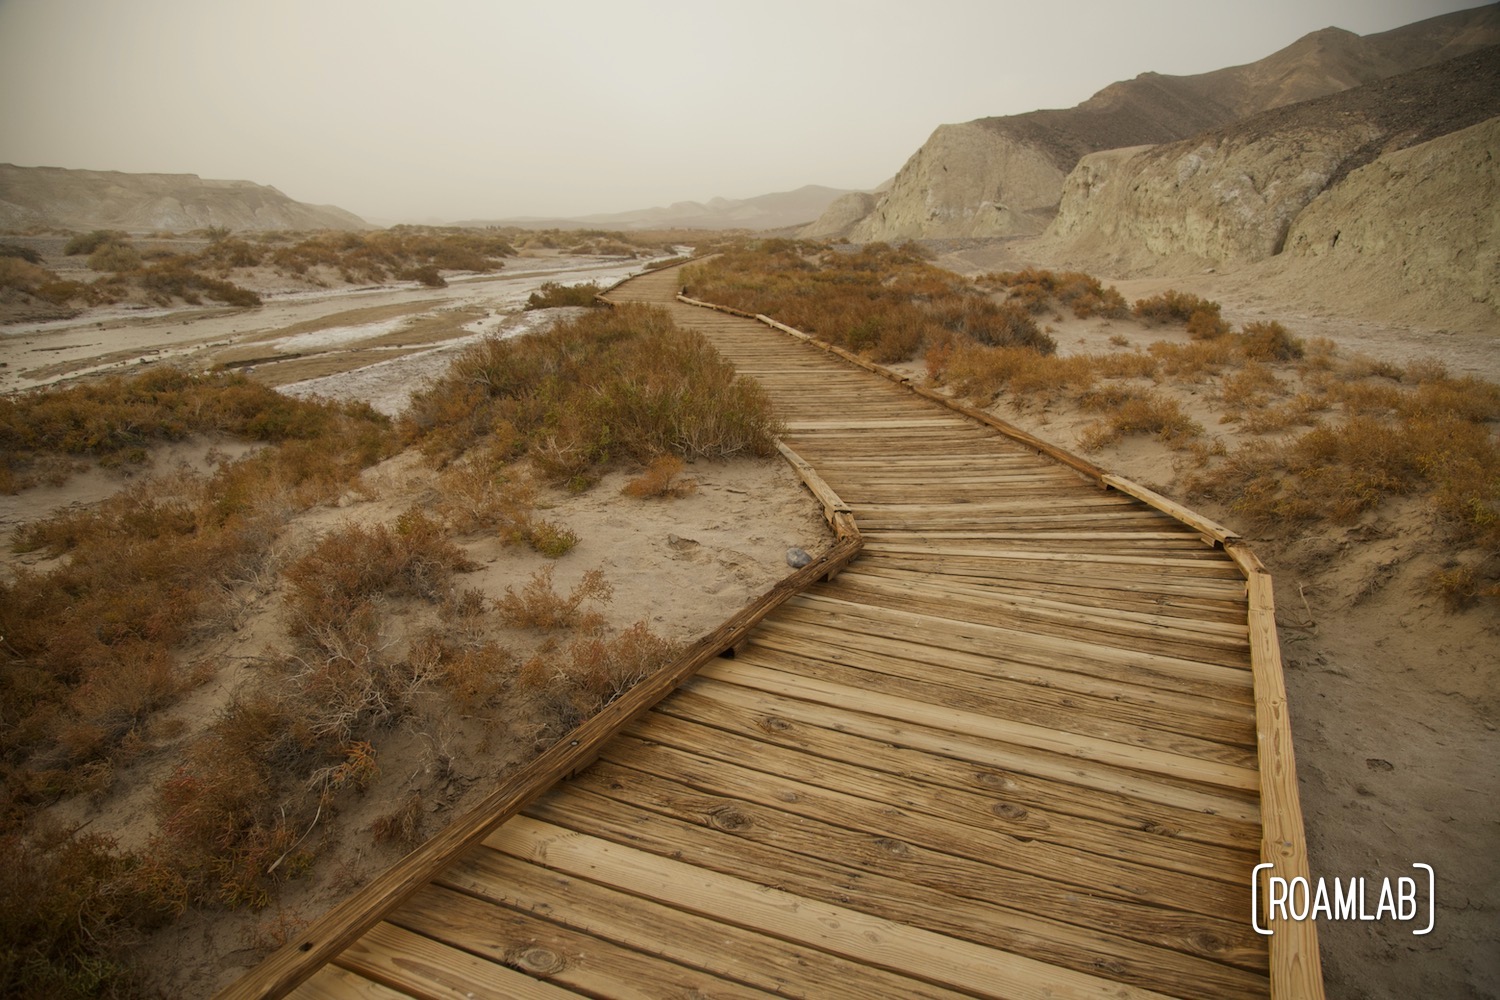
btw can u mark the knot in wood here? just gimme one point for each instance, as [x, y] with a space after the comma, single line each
[728, 819]
[895, 848]
[1009, 810]
[539, 962]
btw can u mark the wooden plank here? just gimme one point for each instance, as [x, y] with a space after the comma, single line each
[1127, 940]
[991, 673]
[342, 925]
[424, 968]
[990, 754]
[592, 905]
[762, 717]
[1194, 736]
[855, 936]
[1075, 746]
[565, 957]
[1208, 642]
[674, 740]
[1229, 615]
[333, 983]
[1172, 673]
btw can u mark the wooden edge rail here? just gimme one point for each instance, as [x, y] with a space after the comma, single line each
[1296, 969]
[1296, 963]
[292, 964]
[1212, 531]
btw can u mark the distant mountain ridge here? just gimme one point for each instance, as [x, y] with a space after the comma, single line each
[767, 211]
[110, 199]
[1004, 176]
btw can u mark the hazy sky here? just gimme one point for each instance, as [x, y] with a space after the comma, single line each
[454, 109]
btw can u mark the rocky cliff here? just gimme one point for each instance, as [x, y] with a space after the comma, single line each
[1004, 176]
[1233, 195]
[108, 199]
[1414, 235]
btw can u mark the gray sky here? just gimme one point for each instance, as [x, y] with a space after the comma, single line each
[449, 109]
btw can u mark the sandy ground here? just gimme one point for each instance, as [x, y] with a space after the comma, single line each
[1395, 702]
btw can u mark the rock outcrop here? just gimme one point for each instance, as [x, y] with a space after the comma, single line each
[967, 180]
[109, 199]
[1414, 234]
[1232, 195]
[1004, 176]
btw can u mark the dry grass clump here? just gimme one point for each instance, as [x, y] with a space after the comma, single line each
[660, 480]
[625, 384]
[1130, 411]
[590, 673]
[982, 373]
[539, 606]
[886, 302]
[552, 295]
[1036, 289]
[116, 419]
[333, 589]
[67, 902]
[407, 252]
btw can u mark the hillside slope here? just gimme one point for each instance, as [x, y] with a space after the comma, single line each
[109, 199]
[766, 211]
[1230, 196]
[1004, 176]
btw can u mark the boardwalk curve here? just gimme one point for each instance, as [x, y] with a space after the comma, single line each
[1031, 742]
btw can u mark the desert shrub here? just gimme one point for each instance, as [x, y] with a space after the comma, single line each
[331, 587]
[1251, 386]
[1206, 324]
[68, 904]
[1269, 341]
[115, 257]
[176, 278]
[1172, 306]
[622, 384]
[549, 538]
[16, 252]
[552, 295]
[592, 672]
[1130, 411]
[1194, 359]
[660, 480]
[427, 275]
[538, 605]
[87, 243]
[982, 373]
[111, 417]
[1035, 289]
[19, 275]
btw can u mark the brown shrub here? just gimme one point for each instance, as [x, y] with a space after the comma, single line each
[539, 606]
[1270, 341]
[658, 480]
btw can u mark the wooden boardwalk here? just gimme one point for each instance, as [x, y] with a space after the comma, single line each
[1011, 751]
